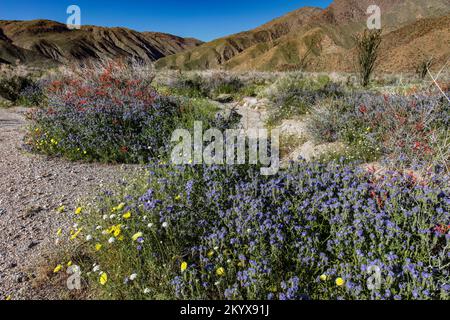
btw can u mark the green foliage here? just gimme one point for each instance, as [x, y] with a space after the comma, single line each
[195, 85]
[294, 95]
[12, 87]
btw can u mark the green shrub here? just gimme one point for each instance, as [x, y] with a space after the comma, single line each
[294, 96]
[11, 88]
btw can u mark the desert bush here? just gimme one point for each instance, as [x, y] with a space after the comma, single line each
[19, 83]
[111, 115]
[423, 67]
[310, 232]
[11, 88]
[204, 85]
[188, 85]
[33, 95]
[373, 125]
[367, 45]
[223, 83]
[251, 90]
[294, 95]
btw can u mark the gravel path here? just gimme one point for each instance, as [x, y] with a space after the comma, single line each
[31, 188]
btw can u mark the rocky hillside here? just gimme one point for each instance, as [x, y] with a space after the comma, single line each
[47, 42]
[322, 40]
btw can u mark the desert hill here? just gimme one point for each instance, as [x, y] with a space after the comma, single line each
[44, 41]
[322, 40]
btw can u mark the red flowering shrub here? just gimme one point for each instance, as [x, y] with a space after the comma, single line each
[408, 128]
[111, 114]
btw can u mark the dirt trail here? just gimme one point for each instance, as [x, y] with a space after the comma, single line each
[254, 115]
[31, 188]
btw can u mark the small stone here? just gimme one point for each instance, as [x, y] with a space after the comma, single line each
[31, 212]
[224, 98]
[33, 244]
[21, 277]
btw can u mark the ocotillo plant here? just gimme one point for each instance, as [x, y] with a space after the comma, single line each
[367, 45]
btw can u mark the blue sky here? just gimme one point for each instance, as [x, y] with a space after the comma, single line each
[203, 19]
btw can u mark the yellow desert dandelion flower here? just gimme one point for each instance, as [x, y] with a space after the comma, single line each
[61, 209]
[115, 230]
[340, 282]
[69, 264]
[119, 207]
[323, 277]
[178, 198]
[127, 215]
[220, 272]
[137, 236]
[75, 235]
[57, 269]
[98, 247]
[184, 266]
[59, 232]
[8, 298]
[78, 210]
[103, 279]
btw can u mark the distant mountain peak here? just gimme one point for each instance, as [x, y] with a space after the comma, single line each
[281, 43]
[50, 42]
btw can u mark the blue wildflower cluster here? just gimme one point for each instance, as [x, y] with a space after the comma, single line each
[405, 129]
[313, 231]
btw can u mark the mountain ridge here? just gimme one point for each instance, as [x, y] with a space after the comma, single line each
[331, 31]
[47, 41]
[309, 38]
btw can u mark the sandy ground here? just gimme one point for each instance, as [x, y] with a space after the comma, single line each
[32, 187]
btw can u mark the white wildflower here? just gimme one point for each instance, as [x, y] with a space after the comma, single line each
[133, 277]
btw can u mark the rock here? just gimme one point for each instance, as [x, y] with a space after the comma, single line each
[224, 98]
[21, 277]
[309, 151]
[2, 211]
[249, 102]
[33, 244]
[294, 128]
[30, 212]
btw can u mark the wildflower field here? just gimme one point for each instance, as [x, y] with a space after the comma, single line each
[316, 230]
[310, 232]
